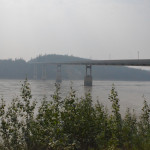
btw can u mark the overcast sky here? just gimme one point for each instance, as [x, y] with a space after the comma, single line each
[97, 29]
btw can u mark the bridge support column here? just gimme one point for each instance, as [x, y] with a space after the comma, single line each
[44, 72]
[35, 72]
[58, 74]
[88, 76]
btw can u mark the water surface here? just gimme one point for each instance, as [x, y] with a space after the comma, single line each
[130, 93]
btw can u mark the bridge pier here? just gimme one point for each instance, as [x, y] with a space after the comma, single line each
[35, 72]
[58, 74]
[43, 72]
[88, 76]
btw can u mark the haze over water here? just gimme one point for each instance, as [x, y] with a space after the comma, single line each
[130, 93]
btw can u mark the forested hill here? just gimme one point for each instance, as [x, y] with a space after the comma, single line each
[19, 69]
[55, 58]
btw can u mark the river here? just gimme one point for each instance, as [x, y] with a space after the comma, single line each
[130, 93]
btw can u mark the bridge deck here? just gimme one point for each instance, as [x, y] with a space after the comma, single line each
[127, 62]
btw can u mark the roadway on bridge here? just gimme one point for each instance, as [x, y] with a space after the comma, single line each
[126, 62]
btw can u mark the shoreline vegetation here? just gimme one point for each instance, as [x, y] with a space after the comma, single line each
[71, 123]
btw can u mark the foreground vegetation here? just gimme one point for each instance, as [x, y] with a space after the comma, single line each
[71, 123]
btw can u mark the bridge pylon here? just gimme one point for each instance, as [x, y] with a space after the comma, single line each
[35, 72]
[58, 74]
[88, 76]
[43, 72]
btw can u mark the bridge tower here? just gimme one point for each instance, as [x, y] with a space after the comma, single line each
[58, 74]
[88, 76]
[35, 72]
[43, 72]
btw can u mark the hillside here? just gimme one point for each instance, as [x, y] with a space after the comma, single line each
[19, 69]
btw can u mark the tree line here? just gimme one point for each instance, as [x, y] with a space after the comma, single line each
[19, 69]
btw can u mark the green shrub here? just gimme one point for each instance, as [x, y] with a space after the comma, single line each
[71, 123]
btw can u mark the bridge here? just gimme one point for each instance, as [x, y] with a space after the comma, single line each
[88, 66]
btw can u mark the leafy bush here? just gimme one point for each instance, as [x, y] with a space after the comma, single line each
[71, 123]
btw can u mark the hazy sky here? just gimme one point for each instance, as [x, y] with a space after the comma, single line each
[97, 29]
